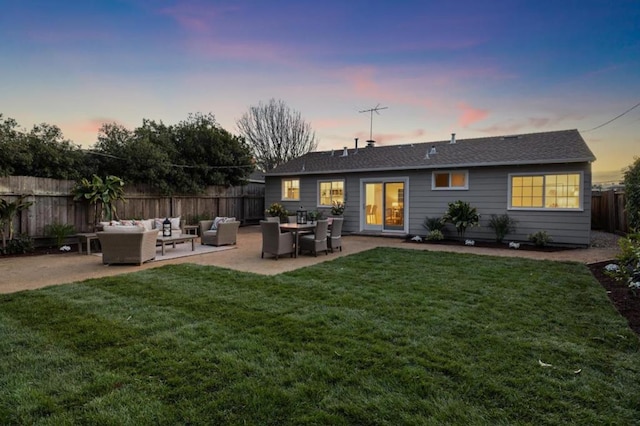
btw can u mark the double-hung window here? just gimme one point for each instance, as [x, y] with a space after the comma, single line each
[451, 180]
[291, 189]
[545, 191]
[330, 192]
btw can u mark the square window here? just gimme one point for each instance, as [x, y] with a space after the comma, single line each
[547, 191]
[291, 189]
[330, 192]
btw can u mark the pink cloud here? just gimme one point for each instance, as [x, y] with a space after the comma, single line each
[533, 124]
[201, 21]
[195, 16]
[470, 115]
[85, 132]
[404, 137]
[363, 82]
[333, 123]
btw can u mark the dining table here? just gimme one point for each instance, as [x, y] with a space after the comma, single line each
[297, 229]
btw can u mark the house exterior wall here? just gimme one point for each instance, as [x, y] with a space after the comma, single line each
[488, 192]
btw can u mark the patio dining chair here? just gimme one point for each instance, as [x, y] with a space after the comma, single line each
[334, 239]
[318, 240]
[273, 241]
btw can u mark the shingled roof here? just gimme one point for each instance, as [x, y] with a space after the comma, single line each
[566, 146]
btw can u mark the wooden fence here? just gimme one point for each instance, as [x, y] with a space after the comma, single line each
[53, 202]
[608, 212]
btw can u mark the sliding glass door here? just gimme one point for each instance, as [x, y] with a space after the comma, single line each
[384, 205]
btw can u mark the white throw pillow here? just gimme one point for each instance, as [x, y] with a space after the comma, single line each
[175, 222]
[148, 224]
[124, 228]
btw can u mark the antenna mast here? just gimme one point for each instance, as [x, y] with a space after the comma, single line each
[371, 110]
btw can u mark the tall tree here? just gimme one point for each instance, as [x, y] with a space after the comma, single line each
[213, 155]
[276, 133]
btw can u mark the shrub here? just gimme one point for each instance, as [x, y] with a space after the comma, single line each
[433, 224]
[632, 193]
[540, 238]
[59, 231]
[194, 219]
[435, 235]
[629, 261]
[19, 245]
[502, 225]
[462, 216]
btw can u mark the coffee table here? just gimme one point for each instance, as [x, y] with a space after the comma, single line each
[182, 238]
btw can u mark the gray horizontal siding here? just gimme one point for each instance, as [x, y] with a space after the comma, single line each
[488, 193]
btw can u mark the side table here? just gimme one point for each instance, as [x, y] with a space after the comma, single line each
[191, 229]
[86, 238]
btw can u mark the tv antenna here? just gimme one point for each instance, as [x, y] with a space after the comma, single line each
[371, 111]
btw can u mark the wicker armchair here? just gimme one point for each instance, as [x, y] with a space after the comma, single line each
[273, 241]
[128, 247]
[334, 239]
[226, 233]
[317, 241]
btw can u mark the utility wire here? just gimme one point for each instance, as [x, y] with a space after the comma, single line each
[613, 119]
[184, 166]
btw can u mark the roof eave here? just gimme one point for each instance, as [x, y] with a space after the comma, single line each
[436, 166]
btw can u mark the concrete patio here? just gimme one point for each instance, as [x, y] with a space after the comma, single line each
[31, 272]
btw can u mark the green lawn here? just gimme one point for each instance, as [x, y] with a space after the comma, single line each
[388, 336]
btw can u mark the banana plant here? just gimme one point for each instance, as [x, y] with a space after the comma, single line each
[102, 194]
[8, 212]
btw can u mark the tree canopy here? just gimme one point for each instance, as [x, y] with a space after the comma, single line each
[181, 158]
[186, 157]
[276, 133]
[40, 152]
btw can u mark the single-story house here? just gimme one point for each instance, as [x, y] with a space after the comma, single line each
[542, 180]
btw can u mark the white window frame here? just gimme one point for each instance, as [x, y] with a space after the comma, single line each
[450, 188]
[543, 208]
[284, 189]
[319, 199]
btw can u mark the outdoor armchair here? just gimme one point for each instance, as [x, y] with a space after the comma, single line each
[128, 247]
[273, 241]
[225, 234]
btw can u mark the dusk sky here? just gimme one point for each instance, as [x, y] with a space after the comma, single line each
[476, 68]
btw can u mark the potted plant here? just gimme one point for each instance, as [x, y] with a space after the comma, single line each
[277, 210]
[337, 208]
[315, 215]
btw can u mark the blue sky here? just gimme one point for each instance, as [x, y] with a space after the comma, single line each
[476, 68]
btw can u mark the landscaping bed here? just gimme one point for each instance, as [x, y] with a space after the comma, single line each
[623, 299]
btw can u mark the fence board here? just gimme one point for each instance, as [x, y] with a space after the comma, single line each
[53, 202]
[608, 211]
